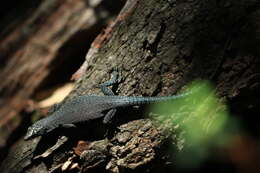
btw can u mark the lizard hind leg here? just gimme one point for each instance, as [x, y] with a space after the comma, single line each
[108, 117]
[115, 79]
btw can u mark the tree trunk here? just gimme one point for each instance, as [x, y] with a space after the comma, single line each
[160, 46]
[38, 45]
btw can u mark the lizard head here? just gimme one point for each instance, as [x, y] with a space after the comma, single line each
[35, 130]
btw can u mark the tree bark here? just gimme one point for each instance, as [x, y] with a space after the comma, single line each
[160, 46]
[35, 44]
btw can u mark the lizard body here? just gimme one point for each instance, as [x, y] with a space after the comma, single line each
[86, 108]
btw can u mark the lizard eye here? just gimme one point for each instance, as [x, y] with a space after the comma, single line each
[33, 131]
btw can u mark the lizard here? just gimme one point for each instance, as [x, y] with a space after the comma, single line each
[88, 107]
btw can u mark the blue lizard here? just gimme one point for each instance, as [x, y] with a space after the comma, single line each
[88, 107]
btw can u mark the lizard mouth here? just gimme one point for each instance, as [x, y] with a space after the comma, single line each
[28, 136]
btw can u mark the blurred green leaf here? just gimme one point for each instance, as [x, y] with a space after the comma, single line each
[200, 118]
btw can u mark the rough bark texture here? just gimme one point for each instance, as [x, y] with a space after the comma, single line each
[159, 46]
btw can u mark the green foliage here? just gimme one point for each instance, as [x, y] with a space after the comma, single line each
[199, 120]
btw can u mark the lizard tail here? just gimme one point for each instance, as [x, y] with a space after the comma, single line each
[138, 100]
